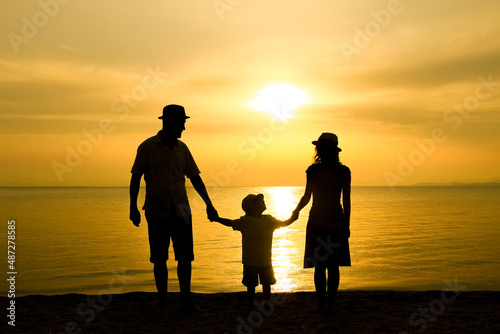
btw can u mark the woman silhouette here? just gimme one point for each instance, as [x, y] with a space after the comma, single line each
[327, 245]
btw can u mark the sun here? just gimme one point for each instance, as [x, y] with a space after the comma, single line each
[279, 100]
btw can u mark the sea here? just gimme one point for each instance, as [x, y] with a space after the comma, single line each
[80, 240]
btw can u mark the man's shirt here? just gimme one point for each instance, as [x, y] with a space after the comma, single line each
[165, 174]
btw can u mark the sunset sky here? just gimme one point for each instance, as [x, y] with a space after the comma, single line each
[412, 88]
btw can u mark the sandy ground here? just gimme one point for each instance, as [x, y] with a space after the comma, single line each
[355, 312]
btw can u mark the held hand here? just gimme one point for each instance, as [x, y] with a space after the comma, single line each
[295, 215]
[135, 216]
[212, 213]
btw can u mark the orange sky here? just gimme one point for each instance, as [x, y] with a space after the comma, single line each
[410, 87]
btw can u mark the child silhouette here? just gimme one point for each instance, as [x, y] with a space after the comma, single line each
[257, 238]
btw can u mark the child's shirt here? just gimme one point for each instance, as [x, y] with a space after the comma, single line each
[257, 237]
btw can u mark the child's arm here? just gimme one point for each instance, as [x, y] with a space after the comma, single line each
[290, 220]
[224, 221]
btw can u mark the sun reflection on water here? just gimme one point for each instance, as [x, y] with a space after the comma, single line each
[280, 202]
[282, 263]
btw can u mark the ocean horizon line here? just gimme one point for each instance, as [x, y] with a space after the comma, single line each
[421, 184]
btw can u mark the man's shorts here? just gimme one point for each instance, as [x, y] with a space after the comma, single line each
[251, 276]
[161, 229]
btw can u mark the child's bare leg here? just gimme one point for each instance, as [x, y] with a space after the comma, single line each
[266, 289]
[251, 294]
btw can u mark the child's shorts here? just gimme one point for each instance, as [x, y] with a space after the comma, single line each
[252, 274]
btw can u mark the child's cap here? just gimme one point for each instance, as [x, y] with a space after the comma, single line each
[249, 200]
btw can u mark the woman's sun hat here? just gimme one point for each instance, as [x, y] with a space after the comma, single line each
[329, 139]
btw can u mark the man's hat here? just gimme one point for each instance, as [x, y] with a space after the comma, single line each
[248, 201]
[173, 111]
[329, 139]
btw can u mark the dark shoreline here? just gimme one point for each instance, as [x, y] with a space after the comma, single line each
[356, 312]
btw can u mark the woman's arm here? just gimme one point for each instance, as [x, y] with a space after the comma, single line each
[346, 201]
[305, 199]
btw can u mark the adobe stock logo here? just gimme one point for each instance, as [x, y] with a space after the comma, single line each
[31, 27]
[223, 6]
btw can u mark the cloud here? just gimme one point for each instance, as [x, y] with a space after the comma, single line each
[92, 53]
[434, 73]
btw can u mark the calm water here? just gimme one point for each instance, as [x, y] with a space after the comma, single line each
[80, 240]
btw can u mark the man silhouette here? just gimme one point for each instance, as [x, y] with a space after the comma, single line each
[165, 161]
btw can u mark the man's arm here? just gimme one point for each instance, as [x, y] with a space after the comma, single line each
[200, 188]
[135, 184]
